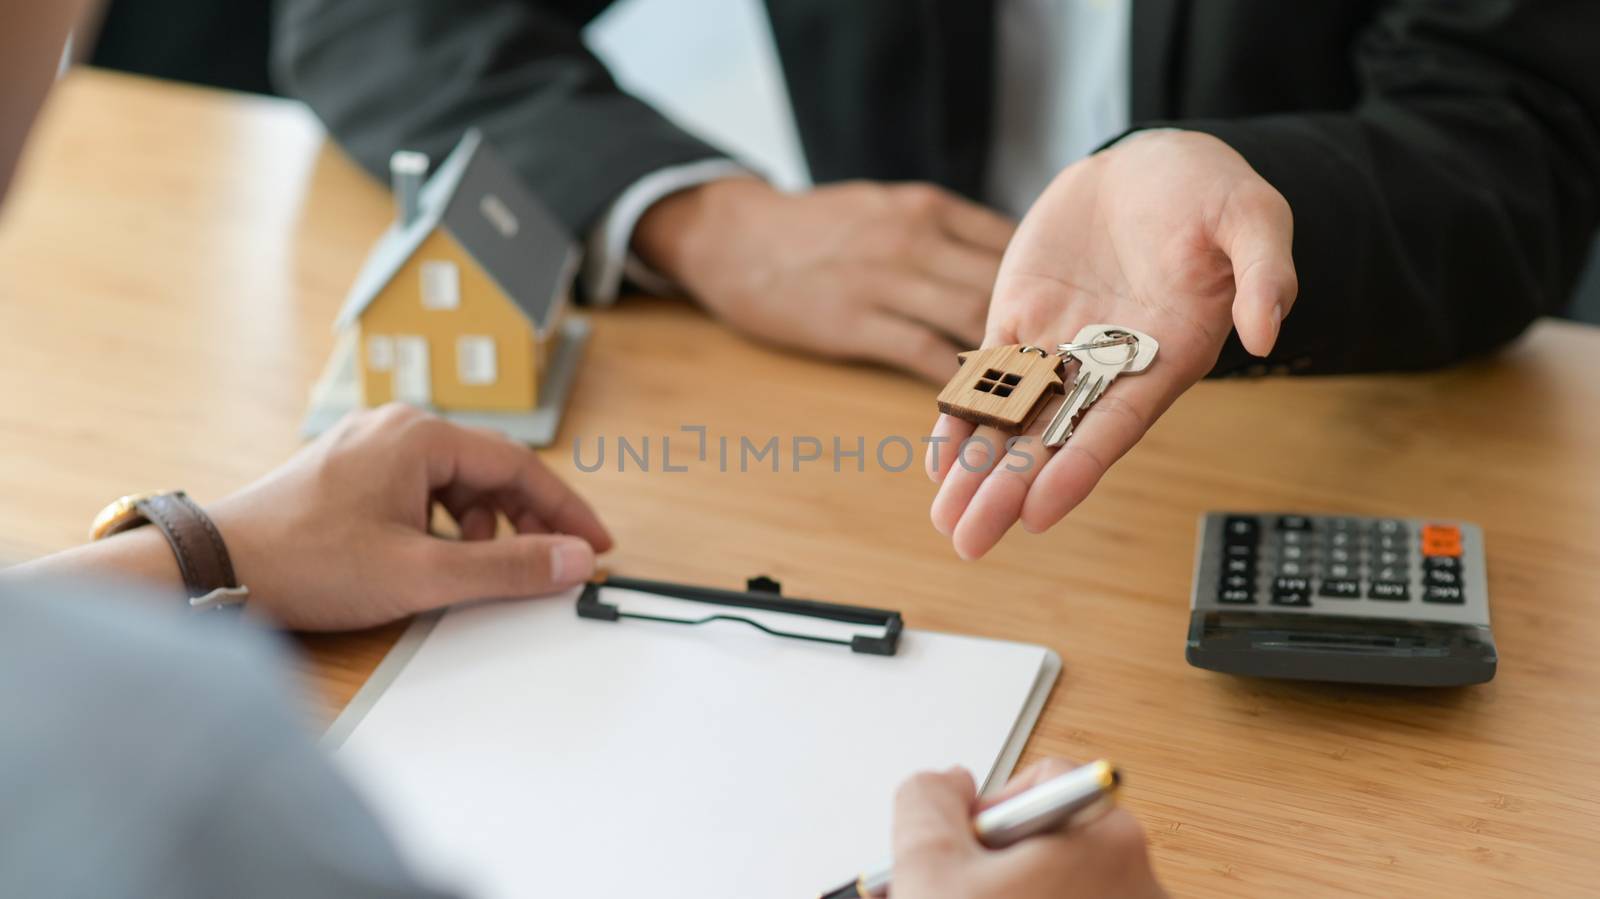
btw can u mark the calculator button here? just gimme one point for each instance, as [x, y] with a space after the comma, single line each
[1441, 547]
[1442, 532]
[1295, 538]
[1341, 540]
[1443, 594]
[1294, 523]
[1237, 582]
[1340, 571]
[1341, 588]
[1292, 552]
[1238, 566]
[1240, 530]
[1441, 577]
[1391, 590]
[1394, 573]
[1342, 556]
[1291, 591]
[1389, 558]
[1239, 551]
[1391, 543]
[1441, 540]
[1292, 568]
[1236, 596]
[1389, 526]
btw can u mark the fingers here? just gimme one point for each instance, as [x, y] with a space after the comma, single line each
[951, 309]
[523, 565]
[476, 514]
[1107, 431]
[483, 461]
[961, 264]
[982, 494]
[1104, 856]
[933, 817]
[477, 522]
[1035, 774]
[1256, 230]
[905, 344]
[943, 443]
[975, 458]
[977, 504]
[976, 225]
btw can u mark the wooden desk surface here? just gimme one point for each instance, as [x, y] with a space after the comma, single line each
[169, 271]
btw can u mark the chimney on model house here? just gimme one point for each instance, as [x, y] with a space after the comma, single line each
[407, 168]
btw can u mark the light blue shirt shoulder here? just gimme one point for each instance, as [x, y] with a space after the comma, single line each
[158, 755]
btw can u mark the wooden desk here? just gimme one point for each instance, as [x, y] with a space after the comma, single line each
[172, 263]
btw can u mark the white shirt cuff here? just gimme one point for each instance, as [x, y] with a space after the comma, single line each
[608, 261]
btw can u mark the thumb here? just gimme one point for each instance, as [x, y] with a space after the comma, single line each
[516, 566]
[1257, 233]
[933, 817]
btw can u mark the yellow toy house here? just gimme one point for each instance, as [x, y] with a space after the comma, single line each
[460, 305]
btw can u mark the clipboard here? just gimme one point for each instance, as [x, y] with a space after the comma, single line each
[645, 738]
[762, 594]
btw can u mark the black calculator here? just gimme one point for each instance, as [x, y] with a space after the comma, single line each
[1400, 601]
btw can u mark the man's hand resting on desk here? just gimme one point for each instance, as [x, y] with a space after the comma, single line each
[936, 855]
[338, 537]
[897, 274]
[1168, 232]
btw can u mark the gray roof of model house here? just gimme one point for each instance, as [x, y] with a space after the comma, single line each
[483, 204]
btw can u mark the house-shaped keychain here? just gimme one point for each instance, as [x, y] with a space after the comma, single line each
[461, 306]
[1002, 386]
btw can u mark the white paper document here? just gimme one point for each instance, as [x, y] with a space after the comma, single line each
[516, 750]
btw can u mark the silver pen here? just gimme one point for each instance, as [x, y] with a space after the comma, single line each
[1049, 806]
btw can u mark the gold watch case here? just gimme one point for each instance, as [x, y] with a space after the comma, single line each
[120, 515]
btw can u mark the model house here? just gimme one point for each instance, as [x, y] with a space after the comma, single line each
[459, 306]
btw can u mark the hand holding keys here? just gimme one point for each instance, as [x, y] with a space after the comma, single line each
[1097, 356]
[1170, 232]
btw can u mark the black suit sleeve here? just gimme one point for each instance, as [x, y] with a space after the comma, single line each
[415, 74]
[1455, 202]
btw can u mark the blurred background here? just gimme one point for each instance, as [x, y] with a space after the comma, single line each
[716, 72]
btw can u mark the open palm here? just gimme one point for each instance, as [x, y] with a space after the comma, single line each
[1170, 233]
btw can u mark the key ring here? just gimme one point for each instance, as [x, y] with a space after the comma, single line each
[1032, 349]
[1065, 349]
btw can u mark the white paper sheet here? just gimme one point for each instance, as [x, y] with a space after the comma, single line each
[525, 752]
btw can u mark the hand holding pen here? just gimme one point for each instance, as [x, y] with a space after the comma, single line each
[1100, 852]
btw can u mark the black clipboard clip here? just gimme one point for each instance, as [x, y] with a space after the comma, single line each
[761, 594]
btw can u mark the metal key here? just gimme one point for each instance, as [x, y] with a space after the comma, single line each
[1097, 368]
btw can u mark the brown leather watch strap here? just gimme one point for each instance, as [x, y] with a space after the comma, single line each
[202, 556]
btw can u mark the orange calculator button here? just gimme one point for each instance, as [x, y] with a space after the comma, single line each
[1441, 540]
[1446, 532]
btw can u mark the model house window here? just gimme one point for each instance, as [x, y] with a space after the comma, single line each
[380, 352]
[441, 285]
[475, 361]
[495, 210]
[997, 382]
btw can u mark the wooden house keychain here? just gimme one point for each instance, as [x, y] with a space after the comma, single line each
[1002, 386]
[1007, 386]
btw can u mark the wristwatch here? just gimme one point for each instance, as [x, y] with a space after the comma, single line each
[202, 556]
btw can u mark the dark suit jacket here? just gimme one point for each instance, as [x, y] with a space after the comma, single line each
[1442, 157]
